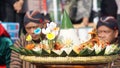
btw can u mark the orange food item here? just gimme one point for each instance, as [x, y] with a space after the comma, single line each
[94, 40]
[58, 46]
[81, 47]
[30, 46]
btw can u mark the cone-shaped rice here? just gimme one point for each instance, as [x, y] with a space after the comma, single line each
[68, 35]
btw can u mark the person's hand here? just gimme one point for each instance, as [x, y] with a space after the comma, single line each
[79, 25]
[18, 6]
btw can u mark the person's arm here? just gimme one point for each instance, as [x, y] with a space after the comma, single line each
[18, 5]
[87, 7]
[83, 13]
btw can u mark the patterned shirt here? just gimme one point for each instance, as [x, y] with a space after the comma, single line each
[16, 62]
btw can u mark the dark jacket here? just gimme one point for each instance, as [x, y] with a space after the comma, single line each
[2, 10]
[3, 7]
[108, 8]
[11, 2]
[5, 51]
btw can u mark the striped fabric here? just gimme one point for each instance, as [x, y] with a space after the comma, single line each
[15, 61]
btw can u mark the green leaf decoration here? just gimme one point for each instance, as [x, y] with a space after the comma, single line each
[19, 50]
[44, 53]
[23, 52]
[116, 51]
[37, 53]
[29, 52]
[84, 52]
[15, 49]
[53, 54]
[92, 53]
[63, 54]
[66, 22]
[102, 52]
[73, 53]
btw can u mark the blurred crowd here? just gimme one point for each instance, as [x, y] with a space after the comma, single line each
[81, 12]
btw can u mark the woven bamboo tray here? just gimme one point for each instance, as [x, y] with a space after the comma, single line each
[69, 60]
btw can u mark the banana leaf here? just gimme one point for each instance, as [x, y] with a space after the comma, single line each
[53, 54]
[101, 52]
[116, 51]
[44, 53]
[29, 52]
[15, 49]
[36, 53]
[23, 52]
[73, 53]
[63, 54]
[84, 52]
[92, 53]
[19, 50]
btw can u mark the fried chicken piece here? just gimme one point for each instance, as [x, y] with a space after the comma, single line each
[58, 46]
[94, 40]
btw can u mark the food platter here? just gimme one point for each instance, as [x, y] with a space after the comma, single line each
[69, 60]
